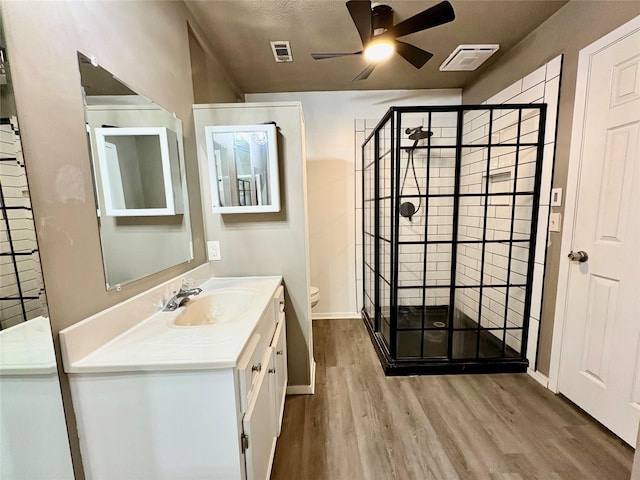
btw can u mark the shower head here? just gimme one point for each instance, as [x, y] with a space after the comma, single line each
[417, 133]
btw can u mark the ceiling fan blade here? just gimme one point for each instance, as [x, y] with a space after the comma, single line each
[431, 17]
[322, 56]
[363, 75]
[360, 11]
[412, 54]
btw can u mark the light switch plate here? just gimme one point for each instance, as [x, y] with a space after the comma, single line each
[554, 222]
[213, 250]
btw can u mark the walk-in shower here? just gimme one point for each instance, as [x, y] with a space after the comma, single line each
[450, 199]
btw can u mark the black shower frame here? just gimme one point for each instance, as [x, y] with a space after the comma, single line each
[387, 354]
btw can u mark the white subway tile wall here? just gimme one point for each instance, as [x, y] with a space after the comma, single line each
[498, 263]
[540, 86]
[21, 282]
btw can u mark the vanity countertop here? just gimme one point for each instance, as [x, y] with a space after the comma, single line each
[27, 349]
[156, 343]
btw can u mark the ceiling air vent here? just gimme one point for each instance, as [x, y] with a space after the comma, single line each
[468, 57]
[282, 51]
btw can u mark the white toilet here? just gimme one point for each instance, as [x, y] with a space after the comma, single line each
[314, 296]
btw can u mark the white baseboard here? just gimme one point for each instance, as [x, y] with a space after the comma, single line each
[336, 316]
[304, 389]
[539, 377]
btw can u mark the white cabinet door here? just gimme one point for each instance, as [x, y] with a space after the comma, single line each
[258, 426]
[280, 375]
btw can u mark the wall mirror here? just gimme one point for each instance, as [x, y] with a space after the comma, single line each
[33, 432]
[137, 155]
[244, 168]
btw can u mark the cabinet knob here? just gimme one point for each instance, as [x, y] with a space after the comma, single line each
[279, 352]
[256, 368]
[272, 370]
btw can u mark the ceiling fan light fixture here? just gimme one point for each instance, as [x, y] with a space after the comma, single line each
[379, 36]
[377, 51]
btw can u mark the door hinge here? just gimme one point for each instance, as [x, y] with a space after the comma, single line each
[244, 440]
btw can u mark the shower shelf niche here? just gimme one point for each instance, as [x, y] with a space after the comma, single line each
[450, 198]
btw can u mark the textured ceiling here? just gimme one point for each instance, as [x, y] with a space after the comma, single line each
[239, 31]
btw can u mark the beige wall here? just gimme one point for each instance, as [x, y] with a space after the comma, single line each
[211, 82]
[268, 243]
[572, 28]
[125, 38]
[143, 43]
[7, 101]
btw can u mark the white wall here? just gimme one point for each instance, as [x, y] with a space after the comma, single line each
[332, 155]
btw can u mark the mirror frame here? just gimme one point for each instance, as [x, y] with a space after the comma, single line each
[272, 160]
[167, 163]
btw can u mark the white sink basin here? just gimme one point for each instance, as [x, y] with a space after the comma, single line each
[215, 307]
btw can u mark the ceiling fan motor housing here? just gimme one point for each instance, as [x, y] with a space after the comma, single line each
[381, 18]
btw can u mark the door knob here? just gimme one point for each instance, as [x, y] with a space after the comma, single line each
[579, 256]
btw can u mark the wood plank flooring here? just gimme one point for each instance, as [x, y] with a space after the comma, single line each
[363, 425]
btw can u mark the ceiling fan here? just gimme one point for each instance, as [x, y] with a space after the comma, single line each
[379, 35]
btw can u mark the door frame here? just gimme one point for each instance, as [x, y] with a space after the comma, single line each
[571, 194]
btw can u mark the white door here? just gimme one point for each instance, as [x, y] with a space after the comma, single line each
[600, 356]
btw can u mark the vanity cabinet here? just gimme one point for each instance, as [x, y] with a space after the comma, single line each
[215, 420]
[264, 382]
[279, 357]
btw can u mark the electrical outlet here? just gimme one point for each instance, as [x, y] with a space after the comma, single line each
[554, 222]
[213, 250]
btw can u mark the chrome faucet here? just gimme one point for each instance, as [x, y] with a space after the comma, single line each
[181, 297]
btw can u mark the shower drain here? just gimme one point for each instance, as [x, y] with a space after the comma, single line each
[439, 324]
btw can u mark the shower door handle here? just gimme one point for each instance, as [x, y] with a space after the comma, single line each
[579, 256]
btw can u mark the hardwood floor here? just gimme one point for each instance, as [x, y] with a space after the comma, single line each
[363, 425]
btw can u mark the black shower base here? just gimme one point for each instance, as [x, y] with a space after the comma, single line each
[442, 365]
